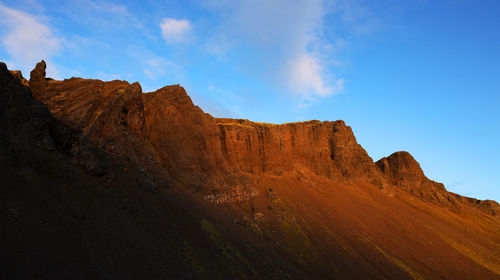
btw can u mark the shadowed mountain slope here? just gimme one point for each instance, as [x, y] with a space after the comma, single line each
[135, 183]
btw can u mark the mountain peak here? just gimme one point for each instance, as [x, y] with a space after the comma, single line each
[400, 166]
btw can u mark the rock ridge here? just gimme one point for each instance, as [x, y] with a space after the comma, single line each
[221, 157]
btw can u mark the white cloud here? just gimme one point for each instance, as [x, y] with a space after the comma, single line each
[174, 30]
[27, 40]
[306, 77]
[287, 39]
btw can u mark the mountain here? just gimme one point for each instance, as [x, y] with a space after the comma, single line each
[100, 180]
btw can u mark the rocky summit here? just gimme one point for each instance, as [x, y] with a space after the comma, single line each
[101, 180]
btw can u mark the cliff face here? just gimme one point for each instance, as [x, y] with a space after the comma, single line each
[184, 138]
[323, 148]
[197, 149]
[203, 144]
[307, 192]
[219, 156]
[228, 152]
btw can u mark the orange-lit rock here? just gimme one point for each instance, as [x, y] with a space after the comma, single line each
[106, 181]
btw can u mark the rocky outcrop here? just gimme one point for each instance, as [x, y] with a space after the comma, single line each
[92, 106]
[490, 207]
[404, 171]
[18, 75]
[108, 115]
[38, 80]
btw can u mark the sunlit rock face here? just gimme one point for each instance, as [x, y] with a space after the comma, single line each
[226, 151]
[198, 149]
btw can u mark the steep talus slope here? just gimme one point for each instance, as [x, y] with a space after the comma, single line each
[305, 195]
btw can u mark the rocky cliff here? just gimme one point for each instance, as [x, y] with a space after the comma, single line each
[197, 149]
[307, 192]
[215, 155]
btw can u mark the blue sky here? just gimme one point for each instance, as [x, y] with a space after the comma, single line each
[417, 75]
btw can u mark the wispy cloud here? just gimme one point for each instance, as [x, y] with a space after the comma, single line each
[288, 38]
[28, 40]
[106, 15]
[175, 30]
[108, 7]
[309, 78]
[355, 16]
[152, 69]
[213, 106]
[157, 67]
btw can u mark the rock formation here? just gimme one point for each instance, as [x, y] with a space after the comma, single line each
[297, 200]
